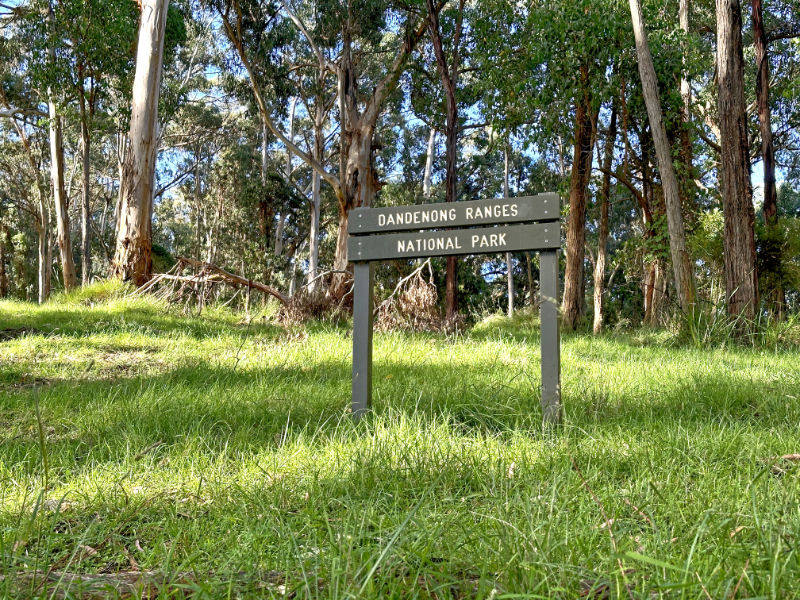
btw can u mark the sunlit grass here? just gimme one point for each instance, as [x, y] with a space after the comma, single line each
[218, 448]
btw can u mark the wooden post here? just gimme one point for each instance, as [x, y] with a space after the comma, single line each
[551, 350]
[364, 274]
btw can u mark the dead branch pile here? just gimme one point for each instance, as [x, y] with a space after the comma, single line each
[313, 301]
[412, 306]
[201, 286]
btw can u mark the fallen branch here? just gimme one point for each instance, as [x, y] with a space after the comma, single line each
[233, 279]
[400, 284]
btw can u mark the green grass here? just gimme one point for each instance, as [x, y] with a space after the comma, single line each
[221, 456]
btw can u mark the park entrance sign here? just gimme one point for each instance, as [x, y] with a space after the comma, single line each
[477, 227]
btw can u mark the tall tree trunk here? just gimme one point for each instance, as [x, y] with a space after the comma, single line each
[122, 149]
[681, 262]
[771, 246]
[764, 115]
[86, 231]
[426, 181]
[602, 231]
[60, 199]
[687, 173]
[133, 257]
[449, 77]
[45, 252]
[572, 305]
[57, 177]
[48, 263]
[3, 273]
[529, 271]
[358, 189]
[509, 261]
[283, 215]
[265, 211]
[316, 197]
[741, 282]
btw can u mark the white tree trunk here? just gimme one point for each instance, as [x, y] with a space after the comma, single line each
[426, 182]
[133, 256]
[509, 261]
[60, 199]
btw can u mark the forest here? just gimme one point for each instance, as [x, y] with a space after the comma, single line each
[669, 129]
[192, 401]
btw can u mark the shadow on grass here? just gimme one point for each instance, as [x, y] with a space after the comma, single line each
[138, 318]
[243, 410]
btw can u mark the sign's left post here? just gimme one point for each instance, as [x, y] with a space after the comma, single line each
[363, 279]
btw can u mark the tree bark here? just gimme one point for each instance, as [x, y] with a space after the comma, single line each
[283, 215]
[764, 115]
[509, 261]
[133, 257]
[602, 230]
[86, 231]
[3, 273]
[572, 304]
[771, 250]
[741, 282]
[316, 199]
[60, 199]
[426, 181]
[687, 174]
[57, 177]
[449, 77]
[681, 262]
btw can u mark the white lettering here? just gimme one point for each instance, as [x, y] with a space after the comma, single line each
[513, 210]
[381, 220]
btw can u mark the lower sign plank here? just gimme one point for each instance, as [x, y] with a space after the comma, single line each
[483, 240]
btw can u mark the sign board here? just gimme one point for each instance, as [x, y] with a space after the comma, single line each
[477, 227]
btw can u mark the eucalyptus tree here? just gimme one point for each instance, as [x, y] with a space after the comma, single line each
[548, 64]
[681, 261]
[449, 71]
[133, 255]
[25, 150]
[741, 281]
[95, 40]
[366, 47]
[22, 172]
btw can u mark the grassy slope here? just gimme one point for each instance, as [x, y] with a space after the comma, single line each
[209, 446]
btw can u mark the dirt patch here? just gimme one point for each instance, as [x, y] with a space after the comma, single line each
[17, 332]
[137, 584]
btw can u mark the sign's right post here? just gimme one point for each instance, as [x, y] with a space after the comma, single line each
[551, 348]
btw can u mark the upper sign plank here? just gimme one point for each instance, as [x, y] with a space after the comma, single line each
[544, 207]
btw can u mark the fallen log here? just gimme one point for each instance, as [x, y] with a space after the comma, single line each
[231, 278]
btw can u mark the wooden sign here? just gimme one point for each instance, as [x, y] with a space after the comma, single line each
[483, 240]
[524, 223]
[544, 207]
